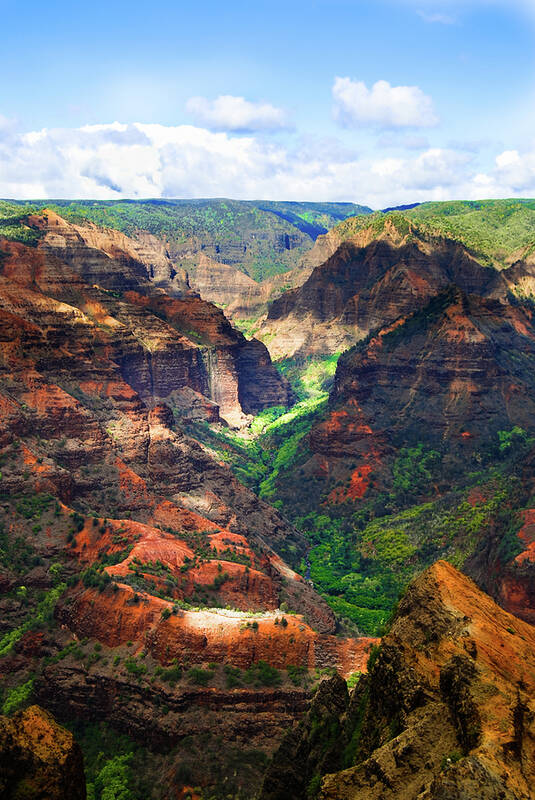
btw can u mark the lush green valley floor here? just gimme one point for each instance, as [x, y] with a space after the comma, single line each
[364, 552]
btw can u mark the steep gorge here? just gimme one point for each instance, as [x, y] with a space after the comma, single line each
[130, 559]
[175, 618]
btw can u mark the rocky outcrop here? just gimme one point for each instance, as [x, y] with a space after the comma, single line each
[221, 283]
[446, 710]
[161, 344]
[257, 238]
[240, 296]
[251, 717]
[95, 252]
[371, 280]
[453, 367]
[39, 759]
[450, 376]
[452, 686]
[116, 617]
[310, 749]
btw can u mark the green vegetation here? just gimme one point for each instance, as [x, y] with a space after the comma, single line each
[451, 759]
[95, 576]
[116, 767]
[40, 616]
[362, 555]
[199, 676]
[259, 674]
[262, 674]
[113, 781]
[496, 231]
[135, 667]
[311, 377]
[33, 506]
[17, 697]
[493, 229]
[267, 452]
[17, 554]
[170, 675]
[13, 218]
[412, 471]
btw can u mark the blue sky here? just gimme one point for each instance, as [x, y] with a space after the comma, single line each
[381, 102]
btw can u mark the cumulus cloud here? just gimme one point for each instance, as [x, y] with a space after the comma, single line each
[137, 160]
[229, 113]
[516, 171]
[382, 106]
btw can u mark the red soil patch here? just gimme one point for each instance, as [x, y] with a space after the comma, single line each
[527, 535]
[130, 482]
[357, 488]
[476, 496]
[241, 586]
[168, 514]
[197, 637]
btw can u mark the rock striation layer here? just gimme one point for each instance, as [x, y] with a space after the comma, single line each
[161, 344]
[373, 278]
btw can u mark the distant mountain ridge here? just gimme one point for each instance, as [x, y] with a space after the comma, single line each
[260, 238]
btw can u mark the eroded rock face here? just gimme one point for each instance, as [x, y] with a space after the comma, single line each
[247, 717]
[457, 371]
[460, 674]
[239, 295]
[368, 282]
[511, 583]
[453, 367]
[161, 344]
[39, 759]
[244, 249]
[446, 710]
[93, 251]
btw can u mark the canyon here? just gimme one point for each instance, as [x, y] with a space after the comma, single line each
[160, 556]
[204, 532]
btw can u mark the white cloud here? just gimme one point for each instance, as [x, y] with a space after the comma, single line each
[112, 161]
[382, 106]
[229, 113]
[516, 171]
[507, 159]
[437, 17]
[404, 141]
[450, 12]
